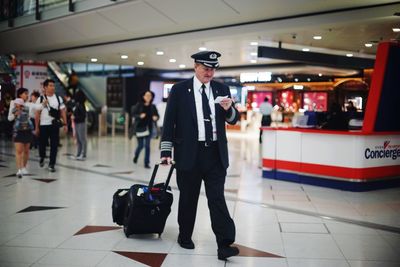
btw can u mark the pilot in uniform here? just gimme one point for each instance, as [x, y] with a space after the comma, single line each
[194, 126]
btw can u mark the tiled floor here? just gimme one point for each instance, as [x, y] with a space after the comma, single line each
[278, 223]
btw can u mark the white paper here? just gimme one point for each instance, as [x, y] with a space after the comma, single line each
[219, 98]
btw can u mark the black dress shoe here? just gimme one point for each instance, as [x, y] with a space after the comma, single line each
[147, 166]
[226, 252]
[188, 244]
[135, 160]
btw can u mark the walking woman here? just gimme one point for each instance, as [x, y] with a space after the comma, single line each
[79, 118]
[145, 115]
[23, 127]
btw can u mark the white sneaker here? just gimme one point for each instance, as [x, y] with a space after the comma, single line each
[80, 157]
[19, 173]
[24, 171]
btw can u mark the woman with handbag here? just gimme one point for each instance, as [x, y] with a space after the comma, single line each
[145, 114]
[23, 127]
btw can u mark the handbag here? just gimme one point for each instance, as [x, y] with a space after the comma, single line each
[142, 132]
[57, 123]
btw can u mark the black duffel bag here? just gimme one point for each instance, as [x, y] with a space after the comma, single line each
[120, 200]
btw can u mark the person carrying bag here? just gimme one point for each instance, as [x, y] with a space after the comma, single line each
[144, 114]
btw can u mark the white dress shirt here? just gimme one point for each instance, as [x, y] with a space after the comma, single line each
[199, 108]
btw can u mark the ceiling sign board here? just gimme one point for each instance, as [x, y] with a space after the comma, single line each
[313, 58]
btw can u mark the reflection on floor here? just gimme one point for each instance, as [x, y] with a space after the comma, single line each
[64, 218]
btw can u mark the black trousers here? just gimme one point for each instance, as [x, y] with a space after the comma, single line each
[208, 168]
[265, 121]
[46, 132]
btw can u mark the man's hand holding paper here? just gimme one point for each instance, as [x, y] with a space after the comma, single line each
[224, 101]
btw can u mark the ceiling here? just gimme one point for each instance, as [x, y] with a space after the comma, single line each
[178, 28]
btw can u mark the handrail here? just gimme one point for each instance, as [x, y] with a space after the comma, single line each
[63, 77]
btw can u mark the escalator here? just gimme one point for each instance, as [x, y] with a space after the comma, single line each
[61, 78]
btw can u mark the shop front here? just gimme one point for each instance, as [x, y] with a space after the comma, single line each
[359, 160]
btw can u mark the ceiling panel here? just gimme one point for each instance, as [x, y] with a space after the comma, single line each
[41, 37]
[138, 18]
[92, 25]
[197, 14]
[260, 9]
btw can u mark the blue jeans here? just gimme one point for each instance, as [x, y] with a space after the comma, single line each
[144, 142]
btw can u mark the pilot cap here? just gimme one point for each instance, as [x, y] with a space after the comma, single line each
[207, 58]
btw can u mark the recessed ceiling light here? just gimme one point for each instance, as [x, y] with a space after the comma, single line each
[124, 56]
[160, 53]
[93, 59]
[349, 55]
[305, 49]
[253, 61]
[317, 37]
[254, 43]
[202, 48]
[368, 45]
[396, 29]
[319, 74]
[140, 63]
[172, 60]
[182, 66]
[253, 53]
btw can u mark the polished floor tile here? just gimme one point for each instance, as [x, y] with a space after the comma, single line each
[317, 246]
[312, 228]
[21, 254]
[374, 263]
[317, 263]
[277, 223]
[73, 257]
[365, 247]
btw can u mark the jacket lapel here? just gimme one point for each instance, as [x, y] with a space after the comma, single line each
[191, 100]
[215, 91]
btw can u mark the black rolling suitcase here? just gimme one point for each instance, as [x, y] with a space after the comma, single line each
[148, 206]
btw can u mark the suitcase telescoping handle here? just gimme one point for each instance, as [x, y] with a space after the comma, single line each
[153, 176]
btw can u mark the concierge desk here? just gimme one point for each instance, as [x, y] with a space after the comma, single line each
[348, 160]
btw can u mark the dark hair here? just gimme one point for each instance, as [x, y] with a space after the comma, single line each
[80, 97]
[21, 90]
[35, 94]
[143, 93]
[266, 99]
[47, 81]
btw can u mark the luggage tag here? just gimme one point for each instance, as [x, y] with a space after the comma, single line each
[122, 193]
[140, 192]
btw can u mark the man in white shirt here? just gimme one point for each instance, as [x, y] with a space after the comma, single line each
[48, 121]
[266, 111]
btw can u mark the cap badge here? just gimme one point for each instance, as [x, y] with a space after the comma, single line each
[213, 56]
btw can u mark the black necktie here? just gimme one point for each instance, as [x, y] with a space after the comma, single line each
[207, 116]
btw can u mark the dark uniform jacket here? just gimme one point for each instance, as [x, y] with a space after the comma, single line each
[180, 129]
